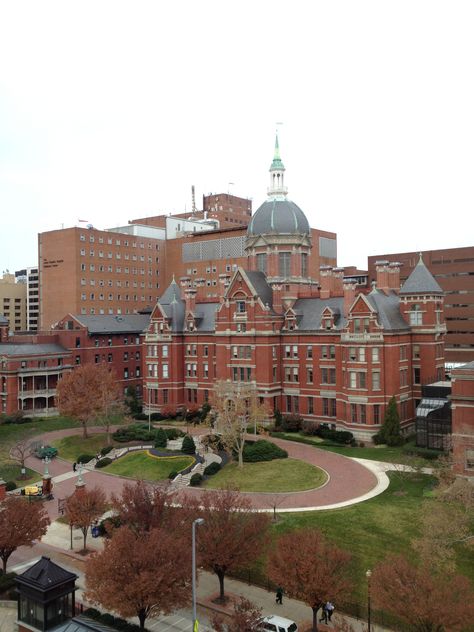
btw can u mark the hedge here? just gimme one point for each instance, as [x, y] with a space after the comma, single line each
[262, 450]
[103, 462]
[106, 450]
[425, 453]
[189, 447]
[212, 468]
[10, 486]
[85, 458]
[161, 438]
[196, 480]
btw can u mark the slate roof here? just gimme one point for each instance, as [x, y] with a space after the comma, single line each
[119, 324]
[82, 623]
[311, 310]
[173, 306]
[45, 574]
[388, 310]
[421, 281]
[259, 282]
[29, 349]
[278, 216]
[206, 316]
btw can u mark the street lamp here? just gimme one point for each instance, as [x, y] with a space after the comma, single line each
[198, 521]
[149, 408]
[368, 574]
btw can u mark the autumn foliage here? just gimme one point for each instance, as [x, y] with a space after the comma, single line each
[245, 617]
[232, 536]
[310, 568]
[21, 523]
[143, 507]
[88, 394]
[140, 575]
[427, 602]
[85, 507]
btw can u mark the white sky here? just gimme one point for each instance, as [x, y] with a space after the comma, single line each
[111, 110]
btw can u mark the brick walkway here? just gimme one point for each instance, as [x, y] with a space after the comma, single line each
[348, 479]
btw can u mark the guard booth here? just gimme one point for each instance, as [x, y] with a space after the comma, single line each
[46, 596]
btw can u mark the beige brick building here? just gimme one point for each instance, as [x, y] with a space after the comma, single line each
[13, 298]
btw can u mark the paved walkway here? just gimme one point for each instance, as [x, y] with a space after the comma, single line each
[350, 480]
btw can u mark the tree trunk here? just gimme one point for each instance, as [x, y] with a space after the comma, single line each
[84, 430]
[241, 455]
[84, 533]
[142, 618]
[4, 565]
[315, 619]
[220, 575]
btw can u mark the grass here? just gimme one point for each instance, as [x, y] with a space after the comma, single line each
[12, 472]
[279, 475]
[141, 465]
[394, 454]
[11, 433]
[70, 448]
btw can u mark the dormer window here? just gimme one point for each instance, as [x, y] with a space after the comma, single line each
[240, 307]
[327, 323]
[416, 316]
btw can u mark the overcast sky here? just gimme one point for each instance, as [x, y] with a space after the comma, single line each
[112, 110]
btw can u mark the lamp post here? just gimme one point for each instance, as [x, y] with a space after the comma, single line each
[368, 574]
[149, 408]
[198, 521]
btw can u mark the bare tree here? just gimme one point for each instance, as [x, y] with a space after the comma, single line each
[20, 452]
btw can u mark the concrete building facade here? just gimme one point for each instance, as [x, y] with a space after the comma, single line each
[13, 302]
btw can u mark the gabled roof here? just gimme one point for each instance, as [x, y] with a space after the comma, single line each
[45, 575]
[171, 292]
[206, 313]
[119, 324]
[421, 281]
[260, 285]
[311, 310]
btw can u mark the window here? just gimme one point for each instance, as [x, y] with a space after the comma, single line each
[164, 368]
[416, 316]
[328, 376]
[376, 380]
[310, 406]
[416, 375]
[309, 352]
[309, 375]
[109, 357]
[469, 459]
[376, 413]
[295, 351]
[287, 351]
[125, 373]
[352, 379]
[416, 351]
[206, 370]
[403, 352]
[361, 354]
[284, 264]
[403, 377]
[304, 264]
[262, 262]
[240, 307]
[352, 354]
[375, 354]
[206, 351]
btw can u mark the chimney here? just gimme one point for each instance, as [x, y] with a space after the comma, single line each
[277, 297]
[349, 288]
[326, 281]
[338, 281]
[394, 276]
[3, 490]
[190, 300]
[381, 268]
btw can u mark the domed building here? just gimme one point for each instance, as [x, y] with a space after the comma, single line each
[279, 236]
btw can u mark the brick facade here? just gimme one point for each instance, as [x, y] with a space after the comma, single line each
[462, 398]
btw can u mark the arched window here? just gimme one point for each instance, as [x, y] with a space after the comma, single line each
[416, 316]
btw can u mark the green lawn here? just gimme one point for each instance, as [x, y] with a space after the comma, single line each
[279, 475]
[383, 453]
[12, 472]
[141, 465]
[70, 448]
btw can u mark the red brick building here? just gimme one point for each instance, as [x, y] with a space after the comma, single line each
[462, 406]
[311, 344]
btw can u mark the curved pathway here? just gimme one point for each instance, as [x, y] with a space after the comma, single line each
[350, 481]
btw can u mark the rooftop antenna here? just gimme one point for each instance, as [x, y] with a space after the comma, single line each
[193, 198]
[229, 184]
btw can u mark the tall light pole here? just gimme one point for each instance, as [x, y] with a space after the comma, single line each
[368, 574]
[149, 408]
[198, 521]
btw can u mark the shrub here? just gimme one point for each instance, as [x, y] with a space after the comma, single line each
[156, 417]
[212, 468]
[161, 438]
[106, 449]
[291, 423]
[107, 524]
[103, 462]
[140, 416]
[338, 436]
[262, 450]
[85, 458]
[172, 475]
[196, 480]
[425, 453]
[8, 585]
[213, 442]
[390, 430]
[310, 428]
[134, 432]
[377, 439]
[278, 417]
[189, 447]
[10, 486]
[174, 433]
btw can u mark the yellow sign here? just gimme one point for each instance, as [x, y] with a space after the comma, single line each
[32, 490]
[196, 626]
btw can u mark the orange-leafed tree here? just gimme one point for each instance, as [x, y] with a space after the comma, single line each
[310, 568]
[90, 393]
[144, 507]
[83, 508]
[21, 523]
[245, 617]
[232, 536]
[140, 575]
[425, 601]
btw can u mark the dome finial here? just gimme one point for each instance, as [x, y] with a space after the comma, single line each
[277, 189]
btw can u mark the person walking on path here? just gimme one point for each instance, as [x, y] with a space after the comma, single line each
[324, 614]
[329, 610]
[74, 466]
[279, 595]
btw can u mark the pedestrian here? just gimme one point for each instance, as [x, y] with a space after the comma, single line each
[324, 614]
[279, 595]
[74, 466]
[329, 610]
